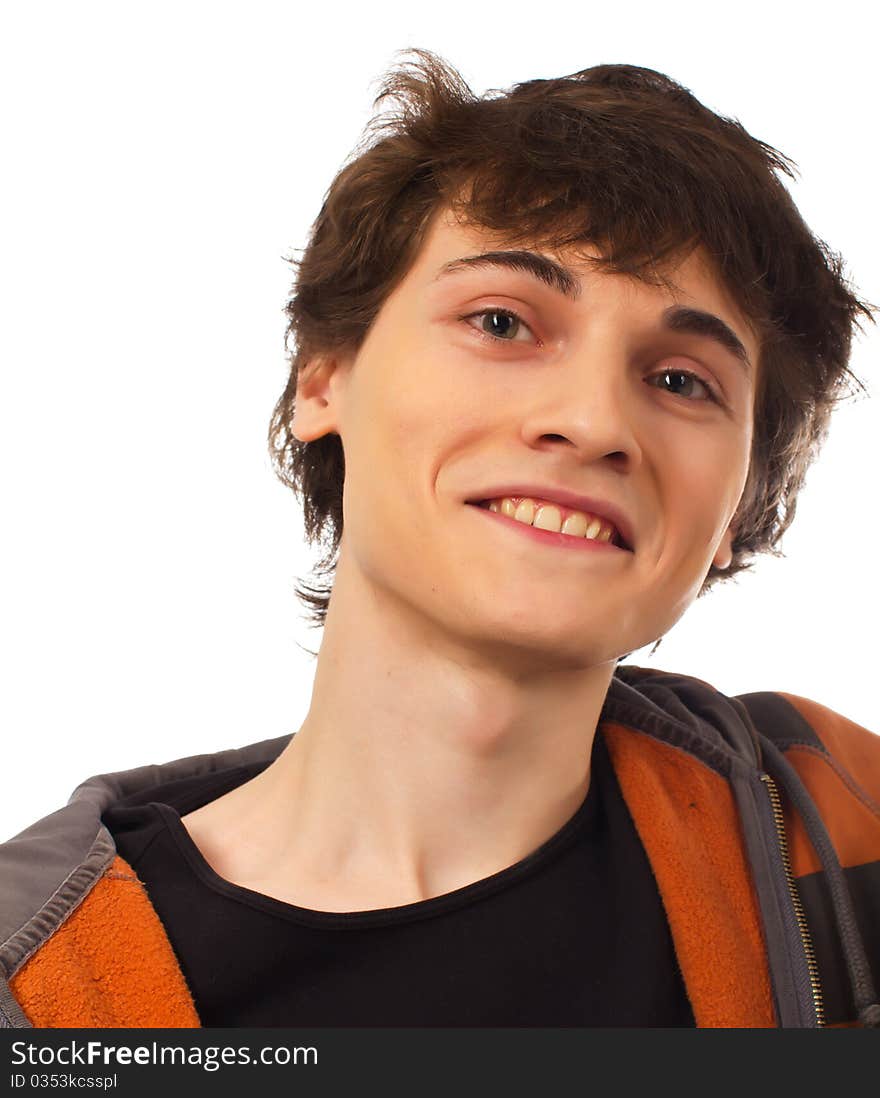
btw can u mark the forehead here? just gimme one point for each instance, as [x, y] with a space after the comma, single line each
[452, 245]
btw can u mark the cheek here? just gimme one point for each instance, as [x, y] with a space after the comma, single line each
[394, 437]
[703, 475]
[410, 406]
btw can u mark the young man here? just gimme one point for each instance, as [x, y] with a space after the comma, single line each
[562, 357]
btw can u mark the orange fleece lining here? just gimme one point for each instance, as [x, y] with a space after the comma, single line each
[687, 820]
[110, 964]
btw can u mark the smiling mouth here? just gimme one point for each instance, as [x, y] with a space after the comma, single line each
[553, 518]
[556, 525]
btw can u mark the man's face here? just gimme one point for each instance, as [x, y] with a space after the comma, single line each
[450, 399]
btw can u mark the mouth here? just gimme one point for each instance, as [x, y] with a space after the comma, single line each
[556, 522]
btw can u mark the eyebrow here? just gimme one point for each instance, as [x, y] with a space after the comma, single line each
[680, 318]
[677, 318]
[556, 276]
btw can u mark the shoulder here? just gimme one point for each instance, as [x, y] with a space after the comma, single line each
[811, 734]
[837, 733]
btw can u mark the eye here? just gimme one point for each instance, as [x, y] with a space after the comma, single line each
[499, 325]
[689, 379]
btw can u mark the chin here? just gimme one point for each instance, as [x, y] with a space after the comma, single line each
[509, 640]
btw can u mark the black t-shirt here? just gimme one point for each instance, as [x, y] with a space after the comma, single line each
[574, 934]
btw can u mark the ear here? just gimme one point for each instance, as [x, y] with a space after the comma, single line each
[318, 398]
[724, 552]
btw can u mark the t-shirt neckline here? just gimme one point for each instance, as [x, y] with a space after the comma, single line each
[550, 849]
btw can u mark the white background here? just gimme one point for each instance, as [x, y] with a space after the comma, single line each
[159, 160]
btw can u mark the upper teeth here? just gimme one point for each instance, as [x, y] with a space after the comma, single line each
[549, 516]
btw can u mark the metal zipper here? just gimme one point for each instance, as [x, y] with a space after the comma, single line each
[806, 940]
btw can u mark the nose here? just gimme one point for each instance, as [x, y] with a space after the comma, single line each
[586, 405]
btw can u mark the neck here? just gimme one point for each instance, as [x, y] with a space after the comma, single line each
[423, 764]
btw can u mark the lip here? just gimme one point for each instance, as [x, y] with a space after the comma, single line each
[593, 505]
[551, 538]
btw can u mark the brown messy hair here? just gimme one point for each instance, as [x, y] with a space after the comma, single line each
[615, 156]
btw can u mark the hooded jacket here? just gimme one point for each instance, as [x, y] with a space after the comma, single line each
[759, 814]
